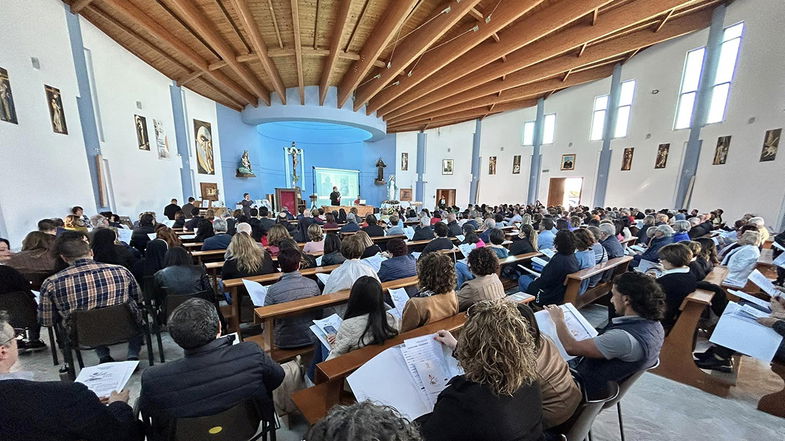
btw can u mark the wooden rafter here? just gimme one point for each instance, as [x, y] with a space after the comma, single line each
[275, 23]
[523, 32]
[608, 50]
[480, 17]
[140, 18]
[289, 52]
[534, 52]
[341, 17]
[196, 19]
[78, 5]
[393, 18]
[413, 46]
[438, 58]
[664, 20]
[260, 48]
[298, 49]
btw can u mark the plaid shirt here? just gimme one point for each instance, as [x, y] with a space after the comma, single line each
[86, 285]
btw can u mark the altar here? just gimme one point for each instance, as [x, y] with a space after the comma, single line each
[362, 210]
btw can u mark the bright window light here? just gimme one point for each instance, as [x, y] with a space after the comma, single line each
[528, 133]
[622, 121]
[598, 117]
[689, 86]
[549, 128]
[684, 112]
[624, 109]
[729, 54]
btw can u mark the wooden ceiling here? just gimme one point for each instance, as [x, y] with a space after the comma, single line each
[417, 63]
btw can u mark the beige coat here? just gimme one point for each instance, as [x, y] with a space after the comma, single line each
[560, 393]
[480, 288]
[420, 311]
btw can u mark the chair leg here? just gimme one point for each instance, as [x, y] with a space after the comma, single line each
[79, 358]
[53, 346]
[621, 420]
[157, 329]
[150, 354]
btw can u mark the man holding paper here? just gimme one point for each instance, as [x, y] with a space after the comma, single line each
[629, 344]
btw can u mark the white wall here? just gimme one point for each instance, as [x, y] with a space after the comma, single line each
[451, 142]
[502, 136]
[203, 109]
[406, 142]
[43, 173]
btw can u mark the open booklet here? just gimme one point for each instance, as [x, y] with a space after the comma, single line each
[107, 377]
[578, 326]
[419, 368]
[408, 232]
[399, 297]
[375, 261]
[257, 291]
[739, 330]
[646, 265]
[763, 283]
[326, 326]
[124, 235]
[323, 277]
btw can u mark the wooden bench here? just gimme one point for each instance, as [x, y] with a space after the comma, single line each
[630, 241]
[206, 256]
[573, 281]
[198, 245]
[268, 314]
[676, 362]
[774, 403]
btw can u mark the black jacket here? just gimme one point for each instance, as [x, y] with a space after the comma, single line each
[440, 243]
[170, 210]
[181, 279]
[374, 230]
[549, 287]
[334, 258]
[192, 223]
[209, 380]
[140, 237]
[677, 286]
[62, 411]
[423, 233]
[521, 246]
[455, 229]
[231, 271]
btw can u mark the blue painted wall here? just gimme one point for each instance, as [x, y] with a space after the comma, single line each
[324, 145]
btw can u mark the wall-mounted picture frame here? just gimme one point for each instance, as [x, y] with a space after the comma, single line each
[7, 108]
[406, 194]
[662, 156]
[142, 137]
[161, 141]
[209, 191]
[492, 165]
[721, 151]
[567, 162]
[771, 143]
[404, 161]
[54, 102]
[626, 160]
[447, 166]
[516, 164]
[203, 135]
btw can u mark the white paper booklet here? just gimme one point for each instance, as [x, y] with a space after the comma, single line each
[738, 330]
[416, 254]
[319, 261]
[763, 283]
[519, 297]
[152, 236]
[460, 237]
[326, 326]
[124, 235]
[107, 377]
[399, 298]
[780, 261]
[419, 368]
[408, 232]
[646, 265]
[168, 222]
[776, 245]
[539, 261]
[578, 326]
[257, 291]
[323, 277]
[638, 248]
[549, 252]
[752, 299]
[188, 236]
[375, 261]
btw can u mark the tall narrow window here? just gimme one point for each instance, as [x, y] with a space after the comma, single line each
[598, 117]
[623, 110]
[528, 133]
[689, 87]
[729, 53]
[549, 128]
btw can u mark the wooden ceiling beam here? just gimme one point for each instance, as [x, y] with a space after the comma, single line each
[306, 51]
[341, 17]
[598, 53]
[514, 94]
[437, 58]
[259, 47]
[664, 20]
[78, 5]
[141, 19]
[196, 19]
[393, 17]
[413, 46]
[275, 23]
[522, 33]
[298, 49]
[468, 69]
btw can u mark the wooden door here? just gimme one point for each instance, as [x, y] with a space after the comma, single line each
[556, 191]
[448, 194]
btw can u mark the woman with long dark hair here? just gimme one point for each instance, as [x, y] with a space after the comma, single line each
[106, 250]
[153, 260]
[366, 321]
[204, 230]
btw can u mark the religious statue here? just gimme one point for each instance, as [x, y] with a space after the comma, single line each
[294, 152]
[392, 189]
[245, 170]
[380, 165]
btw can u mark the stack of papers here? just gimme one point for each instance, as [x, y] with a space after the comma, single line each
[324, 327]
[420, 369]
[257, 291]
[108, 377]
[576, 324]
[738, 330]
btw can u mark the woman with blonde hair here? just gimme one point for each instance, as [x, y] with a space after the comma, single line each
[498, 397]
[167, 235]
[315, 239]
[371, 249]
[246, 258]
[275, 235]
[73, 222]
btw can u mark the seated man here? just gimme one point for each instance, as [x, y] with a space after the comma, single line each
[214, 375]
[547, 234]
[57, 410]
[220, 241]
[193, 221]
[629, 344]
[441, 242]
[292, 332]
[351, 224]
[400, 265]
[396, 226]
[373, 229]
[452, 225]
[87, 284]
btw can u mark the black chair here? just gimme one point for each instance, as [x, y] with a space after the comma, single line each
[22, 309]
[102, 327]
[172, 301]
[578, 427]
[624, 386]
[237, 423]
[152, 312]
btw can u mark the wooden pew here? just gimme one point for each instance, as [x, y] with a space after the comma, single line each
[207, 256]
[573, 281]
[676, 362]
[774, 403]
[268, 314]
[197, 245]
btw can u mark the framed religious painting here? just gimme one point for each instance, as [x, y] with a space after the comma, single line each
[626, 160]
[662, 156]
[7, 109]
[516, 164]
[771, 143]
[404, 161]
[492, 165]
[447, 166]
[205, 163]
[209, 191]
[721, 151]
[142, 137]
[567, 162]
[54, 102]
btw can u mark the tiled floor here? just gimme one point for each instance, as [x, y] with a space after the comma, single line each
[654, 409]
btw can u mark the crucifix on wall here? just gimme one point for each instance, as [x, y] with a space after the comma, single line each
[296, 157]
[380, 165]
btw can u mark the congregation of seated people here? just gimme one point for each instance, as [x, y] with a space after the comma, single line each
[515, 386]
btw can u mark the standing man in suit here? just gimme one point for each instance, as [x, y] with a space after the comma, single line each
[335, 197]
[171, 209]
[187, 208]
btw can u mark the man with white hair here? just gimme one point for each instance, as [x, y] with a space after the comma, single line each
[452, 225]
[662, 235]
[221, 240]
[244, 227]
[758, 222]
[700, 226]
[351, 224]
[609, 241]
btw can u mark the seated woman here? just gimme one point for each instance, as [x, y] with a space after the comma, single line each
[107, 250]
[306, 260]
[37, 255]
[741, 261]
[707, 256]
[681, 230]
[179, 275]
[676, 279]
[441, 242]
[152, 261]
[179, 219]
[498, 397]
[315, 244]
[352, 268]
[497, 240]
[74, 223]
[366, 321]
[486, 285]
[661, 235]
[246, 258]
[600, 254]
[361, 421]
[276, 234]
[560, 393]
[549, 287]
[371, 249]
[584, 254]
[332, 250]
[140, 236]
[168, 235]
[204, 230]
[401, 264]
[525, 242]
[330, 221]
[435, 299]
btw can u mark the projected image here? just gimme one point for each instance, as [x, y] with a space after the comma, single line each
[347, 181]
